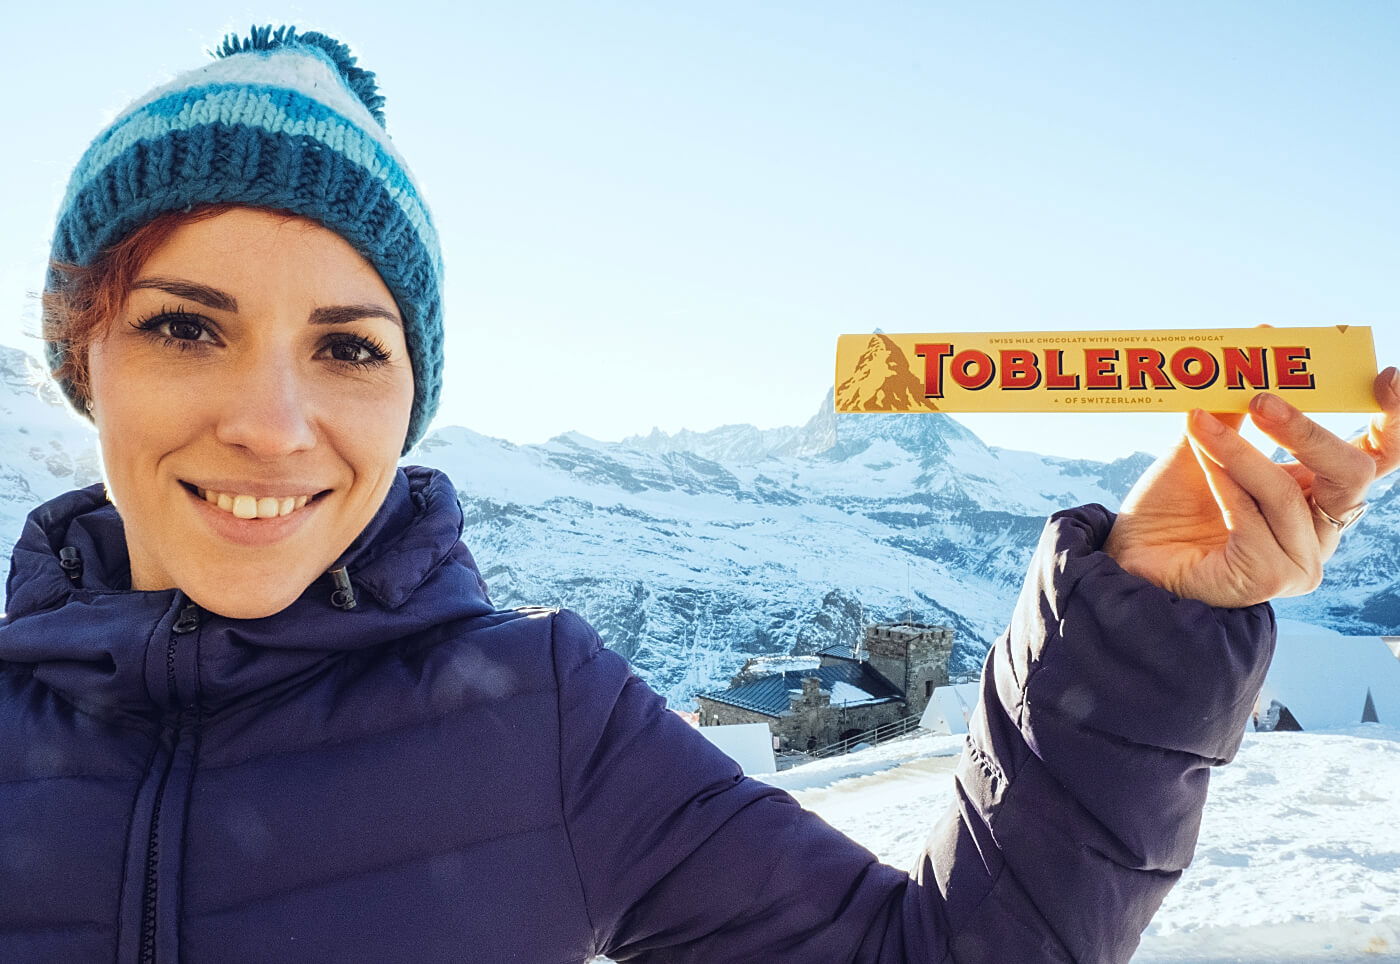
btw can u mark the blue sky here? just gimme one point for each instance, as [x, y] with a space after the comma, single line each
[703, 196]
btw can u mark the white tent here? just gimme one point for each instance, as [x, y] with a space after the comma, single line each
[748, 744]
[950, 707]
[1324, 677]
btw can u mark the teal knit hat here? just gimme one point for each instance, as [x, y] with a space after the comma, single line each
[277, 120]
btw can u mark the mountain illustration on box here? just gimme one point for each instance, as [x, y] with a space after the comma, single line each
[882, 381]
[692, 552]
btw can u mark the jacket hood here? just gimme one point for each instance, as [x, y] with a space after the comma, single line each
[92, 638]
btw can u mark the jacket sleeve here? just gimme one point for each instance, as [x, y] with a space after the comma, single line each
[1076, 803]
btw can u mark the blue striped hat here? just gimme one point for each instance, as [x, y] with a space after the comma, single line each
[277, 120]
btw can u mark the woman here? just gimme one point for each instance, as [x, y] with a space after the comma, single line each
[258, 706]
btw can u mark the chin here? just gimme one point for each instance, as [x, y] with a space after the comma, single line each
[246, 603]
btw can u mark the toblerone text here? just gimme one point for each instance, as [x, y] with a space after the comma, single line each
[1317, 369]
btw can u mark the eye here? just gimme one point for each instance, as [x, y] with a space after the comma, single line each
[177, 328]
[358, 350]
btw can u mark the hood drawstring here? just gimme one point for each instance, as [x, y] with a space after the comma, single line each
[344, 595]
[71, 561]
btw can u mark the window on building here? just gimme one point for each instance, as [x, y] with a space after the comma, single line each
[928, 689]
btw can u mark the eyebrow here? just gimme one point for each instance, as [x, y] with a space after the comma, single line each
[205, 295]
[344, 314]
[223, 301]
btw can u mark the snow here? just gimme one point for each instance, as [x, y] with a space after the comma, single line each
[844, 694]
[1298, 858]
[762, 665]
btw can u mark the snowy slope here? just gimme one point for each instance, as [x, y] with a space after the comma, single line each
[1298, 858]
[1299, 855]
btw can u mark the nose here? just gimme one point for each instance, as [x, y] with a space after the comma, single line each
[271, 413]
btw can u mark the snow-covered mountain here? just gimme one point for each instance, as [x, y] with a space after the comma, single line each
[45, 450]
[688, 565]
[692, 552]
[1361, 594]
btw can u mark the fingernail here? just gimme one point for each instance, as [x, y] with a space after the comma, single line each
[1272, 407]
[1206, 422]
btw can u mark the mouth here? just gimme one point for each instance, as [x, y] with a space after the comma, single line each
[248, 506]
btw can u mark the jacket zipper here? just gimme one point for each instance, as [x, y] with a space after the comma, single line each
[187, 622]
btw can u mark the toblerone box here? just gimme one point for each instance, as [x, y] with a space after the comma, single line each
[1220, 370]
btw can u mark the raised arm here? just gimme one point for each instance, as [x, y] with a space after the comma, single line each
[1078, 799]
[1080, 792]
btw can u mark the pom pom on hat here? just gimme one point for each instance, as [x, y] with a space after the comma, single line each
[281, 120]
[265, 38]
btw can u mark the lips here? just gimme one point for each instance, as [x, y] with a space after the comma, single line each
[256, 529]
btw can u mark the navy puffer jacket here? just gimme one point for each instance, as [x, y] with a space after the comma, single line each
[423, 778]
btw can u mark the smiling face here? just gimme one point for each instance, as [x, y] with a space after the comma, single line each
[251, 400]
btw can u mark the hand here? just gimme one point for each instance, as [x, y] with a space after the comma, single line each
[1216, 520]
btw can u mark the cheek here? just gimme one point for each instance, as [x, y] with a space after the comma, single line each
[124, 375]
[373, 417]
[130, 423]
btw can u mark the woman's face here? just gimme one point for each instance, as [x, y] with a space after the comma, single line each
[251, 400]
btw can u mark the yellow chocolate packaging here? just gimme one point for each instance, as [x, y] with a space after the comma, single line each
[1317, 369]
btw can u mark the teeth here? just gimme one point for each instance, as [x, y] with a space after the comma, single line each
[253, 507]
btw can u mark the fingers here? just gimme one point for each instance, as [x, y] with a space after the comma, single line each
[1341, 471]
[1240, 512]
[1278, 501]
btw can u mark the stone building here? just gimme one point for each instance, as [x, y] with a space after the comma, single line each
[890, 674]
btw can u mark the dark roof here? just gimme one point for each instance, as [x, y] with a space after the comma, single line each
[770, 695]
[840, 651]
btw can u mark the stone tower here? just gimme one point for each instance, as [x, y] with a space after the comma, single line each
[912, 656]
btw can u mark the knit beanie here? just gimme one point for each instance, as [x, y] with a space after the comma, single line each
[278, 120]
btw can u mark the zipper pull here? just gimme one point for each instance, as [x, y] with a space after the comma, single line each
[188, 621]
[344, 595]
[71, 561]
